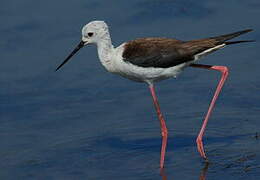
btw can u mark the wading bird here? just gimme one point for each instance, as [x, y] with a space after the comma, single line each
[151, 60]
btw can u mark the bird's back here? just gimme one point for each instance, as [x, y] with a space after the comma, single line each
[167, 52]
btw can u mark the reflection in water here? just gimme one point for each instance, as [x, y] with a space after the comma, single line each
[204, 170]
[202, 173]
[162, 173]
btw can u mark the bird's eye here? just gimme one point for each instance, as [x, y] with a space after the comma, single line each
[90, 34]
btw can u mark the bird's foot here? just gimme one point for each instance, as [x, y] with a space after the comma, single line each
[201, 148]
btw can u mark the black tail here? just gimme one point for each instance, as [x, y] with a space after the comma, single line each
[235, 42]
[222, 39]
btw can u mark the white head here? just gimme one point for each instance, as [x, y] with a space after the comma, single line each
[95, 32]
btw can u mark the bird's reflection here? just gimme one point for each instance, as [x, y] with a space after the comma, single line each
[202, 176]
[162, 173]
[203, 171]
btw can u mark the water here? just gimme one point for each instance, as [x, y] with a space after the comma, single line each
[84, 123]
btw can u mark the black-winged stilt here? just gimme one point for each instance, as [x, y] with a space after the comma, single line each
[153, 59]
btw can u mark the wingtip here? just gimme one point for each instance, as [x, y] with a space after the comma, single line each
[244, 31]
[236, 42]
[248, 30]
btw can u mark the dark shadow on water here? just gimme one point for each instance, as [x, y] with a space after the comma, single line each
[102, 154]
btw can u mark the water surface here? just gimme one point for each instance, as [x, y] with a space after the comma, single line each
[84, 123]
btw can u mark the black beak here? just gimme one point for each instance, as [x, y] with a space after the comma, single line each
[79, 46]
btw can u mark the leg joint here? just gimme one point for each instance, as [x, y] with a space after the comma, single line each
[164, 131]
[222, 69]
[199, 139]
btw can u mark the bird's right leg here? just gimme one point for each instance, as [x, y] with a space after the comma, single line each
[224, 71]
[164, 130]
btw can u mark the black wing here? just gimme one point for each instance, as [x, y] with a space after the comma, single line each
[164, 53]
[156, 52]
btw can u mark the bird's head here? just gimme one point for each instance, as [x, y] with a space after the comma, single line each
[92, 33]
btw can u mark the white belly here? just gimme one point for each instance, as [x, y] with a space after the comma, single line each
[146, 74]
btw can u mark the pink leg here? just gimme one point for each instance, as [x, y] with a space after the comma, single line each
[164, 130]
[224, 71]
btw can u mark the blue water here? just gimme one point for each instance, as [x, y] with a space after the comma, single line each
[84, 123]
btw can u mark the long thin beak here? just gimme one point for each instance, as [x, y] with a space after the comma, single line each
[79, 46]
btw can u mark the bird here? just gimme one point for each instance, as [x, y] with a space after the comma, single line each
[154, 59]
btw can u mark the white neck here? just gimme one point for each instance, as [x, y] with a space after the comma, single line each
[105, 50]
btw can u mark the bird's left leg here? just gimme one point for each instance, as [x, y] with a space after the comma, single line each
[224, 71]
[164, 130]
